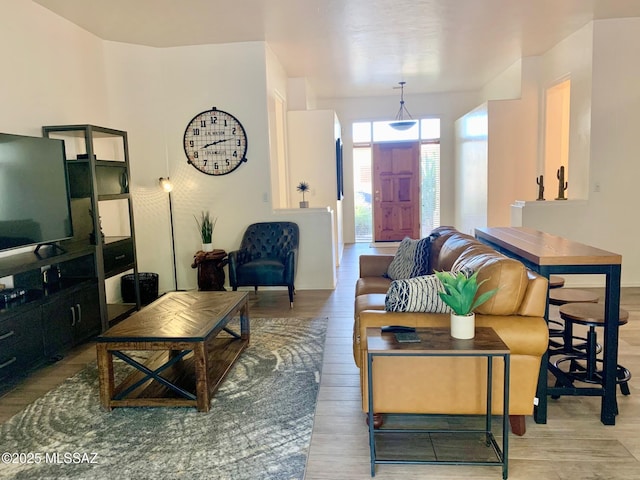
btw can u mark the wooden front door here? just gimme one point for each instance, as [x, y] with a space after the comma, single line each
[396, 187]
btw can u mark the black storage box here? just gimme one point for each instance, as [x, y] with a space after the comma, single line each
[148, 288]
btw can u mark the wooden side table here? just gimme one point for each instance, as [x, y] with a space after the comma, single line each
[437, 342]
[210, 267]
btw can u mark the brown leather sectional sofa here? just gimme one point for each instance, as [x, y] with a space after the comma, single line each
[445, 385]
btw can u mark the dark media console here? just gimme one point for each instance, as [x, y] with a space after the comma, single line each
[59, 297]
[53, 306]
[9, 295]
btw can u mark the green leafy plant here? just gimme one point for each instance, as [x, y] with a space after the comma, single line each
[303, 187]
[460, 292]
[206, 225]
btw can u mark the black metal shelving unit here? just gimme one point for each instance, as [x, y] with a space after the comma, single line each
[98, 166]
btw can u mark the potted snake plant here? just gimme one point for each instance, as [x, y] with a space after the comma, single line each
[206, 224]
[459, 293]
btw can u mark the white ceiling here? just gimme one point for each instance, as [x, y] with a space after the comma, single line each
[350, 48]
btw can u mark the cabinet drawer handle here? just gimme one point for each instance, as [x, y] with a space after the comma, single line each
[73, 316]
[120, 257]
[7, 335]
[79, 308]
[8, 362]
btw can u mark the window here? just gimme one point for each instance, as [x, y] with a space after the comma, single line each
[365, 134]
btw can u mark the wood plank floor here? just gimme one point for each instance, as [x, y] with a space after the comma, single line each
[572, 445]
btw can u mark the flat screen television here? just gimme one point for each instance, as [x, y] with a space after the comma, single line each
[34, 192]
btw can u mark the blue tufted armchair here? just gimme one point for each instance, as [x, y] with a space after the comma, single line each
[267, 257]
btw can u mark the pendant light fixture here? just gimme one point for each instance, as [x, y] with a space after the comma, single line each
[402, 123]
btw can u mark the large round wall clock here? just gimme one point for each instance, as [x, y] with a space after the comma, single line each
[215, 142]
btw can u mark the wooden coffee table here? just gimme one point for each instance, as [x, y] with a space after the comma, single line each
[191, 360]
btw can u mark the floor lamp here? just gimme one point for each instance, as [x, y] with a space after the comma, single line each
[167, 186]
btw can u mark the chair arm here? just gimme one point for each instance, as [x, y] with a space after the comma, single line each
[234, 263]
[290, 266]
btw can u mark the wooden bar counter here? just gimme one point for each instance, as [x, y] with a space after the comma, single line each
[549, 255]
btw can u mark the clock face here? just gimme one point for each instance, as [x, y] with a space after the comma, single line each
[215, 142]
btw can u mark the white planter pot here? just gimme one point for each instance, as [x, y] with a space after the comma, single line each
[207, 247]
[463, 326]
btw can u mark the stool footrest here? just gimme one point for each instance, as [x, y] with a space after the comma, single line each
[580, 373]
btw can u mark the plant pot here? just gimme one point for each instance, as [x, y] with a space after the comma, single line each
[463, 327]
[207, 247]
[304, 204]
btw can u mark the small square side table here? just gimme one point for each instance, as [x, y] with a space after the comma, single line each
[437, 342]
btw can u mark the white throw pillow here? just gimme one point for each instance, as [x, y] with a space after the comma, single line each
[418, 294]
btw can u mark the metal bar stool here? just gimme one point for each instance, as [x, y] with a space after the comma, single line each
[583, 367]
[562, 296]
[556, 282]
[565, 296]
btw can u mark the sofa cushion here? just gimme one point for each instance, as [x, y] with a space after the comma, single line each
[509, 276]
[450, 250]
[418, 294]
[441, 234]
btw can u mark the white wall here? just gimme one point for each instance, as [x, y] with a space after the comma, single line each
[507, 85]
[573, 57]
[52, 71]
[312, 158]
[134, 76]
[513, 141]
[496, 150]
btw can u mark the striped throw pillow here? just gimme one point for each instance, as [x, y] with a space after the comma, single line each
[411, 259]
[418, 294]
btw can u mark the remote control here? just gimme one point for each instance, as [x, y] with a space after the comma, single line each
[397, 329]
